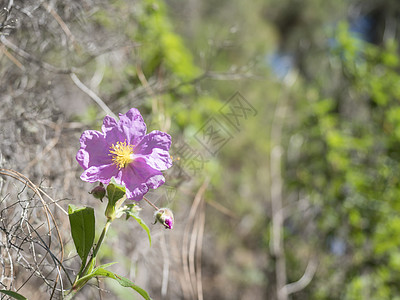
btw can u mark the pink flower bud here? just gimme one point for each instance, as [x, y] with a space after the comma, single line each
[165, 217]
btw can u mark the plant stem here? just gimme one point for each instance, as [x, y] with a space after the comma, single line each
[102, 236]
[89, 265]
[96, 250]
[70, 295]
[149, 202]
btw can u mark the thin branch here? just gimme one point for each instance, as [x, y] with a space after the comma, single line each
[222, 209]
[12, 58]
[199, 243]
[51, 144]
[22, 178]
[16, 175]
[168, 88]
[276, 192]
[92, 95]
[33, 59]
[48, 214]
[62, 24]
[277, 247]
[232, 76]
[10, 5]
[56, 261]
[305, 279]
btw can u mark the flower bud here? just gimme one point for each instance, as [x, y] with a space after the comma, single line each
[98, 192]
[165, 217]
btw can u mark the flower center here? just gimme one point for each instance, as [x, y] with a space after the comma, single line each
[121, 154]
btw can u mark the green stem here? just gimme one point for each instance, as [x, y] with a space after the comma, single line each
[96, 250]
[70, 295]
[88, 268]
[102, 236]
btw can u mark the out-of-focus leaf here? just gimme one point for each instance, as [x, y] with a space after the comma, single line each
[15, 295]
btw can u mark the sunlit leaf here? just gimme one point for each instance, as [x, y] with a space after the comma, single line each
[82, 223]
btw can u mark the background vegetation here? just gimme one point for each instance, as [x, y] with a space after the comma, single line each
[297, 198]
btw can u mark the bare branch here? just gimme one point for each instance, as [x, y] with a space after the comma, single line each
[62, 24]
[33, 59]
[305, 279]
[277, 247]
[92, 95]
[12, 57]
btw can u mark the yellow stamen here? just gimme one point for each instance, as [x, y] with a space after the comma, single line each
[121, 154]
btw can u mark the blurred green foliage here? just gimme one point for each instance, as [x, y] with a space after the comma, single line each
[340, 134]
[341, 140]
[349, 165]
[323, 77]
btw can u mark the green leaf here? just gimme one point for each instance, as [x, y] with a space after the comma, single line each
[115, 192]
[13, 294]
[84, 279]
[125, 282]
[82, 223]
[101, 271]
[106, 265]
[134, 213]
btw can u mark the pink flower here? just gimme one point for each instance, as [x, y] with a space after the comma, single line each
[124, 151]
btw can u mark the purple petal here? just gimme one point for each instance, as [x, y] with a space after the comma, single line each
[94, 150]
[100, 173]
[112, 132]
[169, 223]
[114, 135]
[108, 124]
[138, 177]
[154, 149]
[132, 126]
